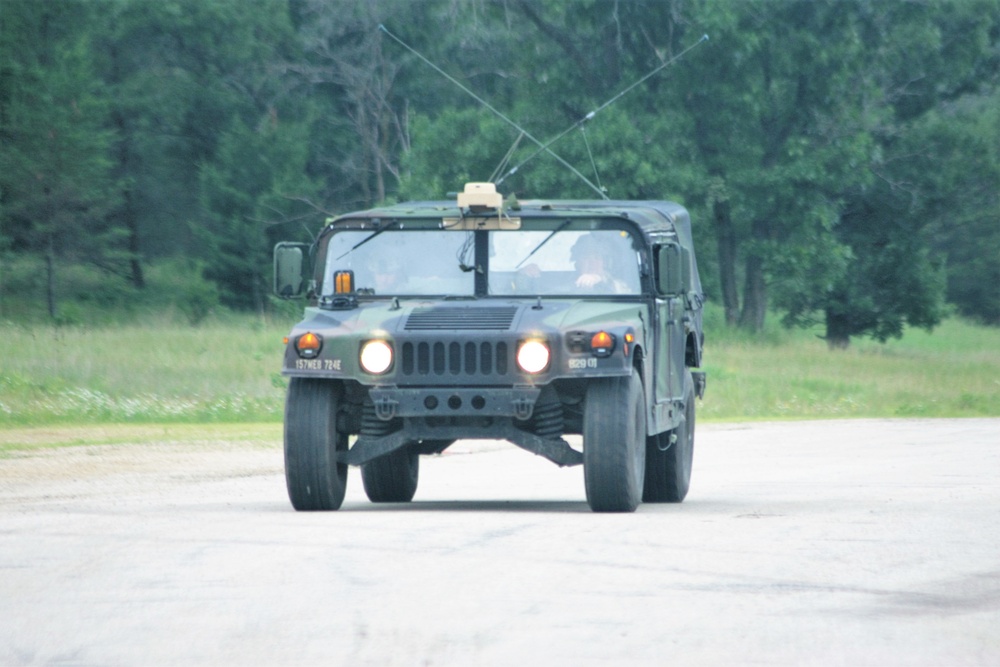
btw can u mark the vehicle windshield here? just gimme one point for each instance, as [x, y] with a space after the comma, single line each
[592, 262]
[521, 262]
[402, 262]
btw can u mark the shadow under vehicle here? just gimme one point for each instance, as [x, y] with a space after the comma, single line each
[429, 322]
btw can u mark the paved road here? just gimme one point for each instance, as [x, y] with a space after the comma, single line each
[856, 542]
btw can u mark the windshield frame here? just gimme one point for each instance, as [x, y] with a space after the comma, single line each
[479, 250]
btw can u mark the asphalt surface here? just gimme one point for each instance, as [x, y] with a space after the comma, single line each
[829, 543]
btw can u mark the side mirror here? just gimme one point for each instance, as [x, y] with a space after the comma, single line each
[674, 269]
[289, 263]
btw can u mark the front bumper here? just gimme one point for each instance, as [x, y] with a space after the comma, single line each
[391, 402]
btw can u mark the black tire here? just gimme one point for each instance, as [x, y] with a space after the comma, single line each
[392, 478]
[315, 480]
[669, 460]
[433, 446]
[614, 437]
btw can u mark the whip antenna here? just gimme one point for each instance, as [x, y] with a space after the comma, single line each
[544, 148]
[579, 123]
[506, 158]
[499, 115]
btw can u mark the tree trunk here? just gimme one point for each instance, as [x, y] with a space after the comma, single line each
[258, 293]
[129, 217]
[726, 245]
[754, 295]
[50, 275]
[136, 275]
[838, 330]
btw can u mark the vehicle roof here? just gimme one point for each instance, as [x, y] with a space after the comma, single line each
[650, 216]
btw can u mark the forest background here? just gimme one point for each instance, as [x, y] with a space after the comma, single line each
[841, 158]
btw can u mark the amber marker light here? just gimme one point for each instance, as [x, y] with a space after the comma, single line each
[308, 345]
[533, 356]
[629, 339]
[602, 344]
[343, 282]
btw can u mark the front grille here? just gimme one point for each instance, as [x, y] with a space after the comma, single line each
[474, 318]
[468, 359]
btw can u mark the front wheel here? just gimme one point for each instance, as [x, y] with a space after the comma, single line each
[315, 479]
[669, 456]
[614, 437]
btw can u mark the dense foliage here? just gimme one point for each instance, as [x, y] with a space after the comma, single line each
[841, 157]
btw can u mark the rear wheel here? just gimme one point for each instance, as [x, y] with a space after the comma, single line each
[315, 479]
[614, 437]
[669, 456]
[392, 478]
[433, 446]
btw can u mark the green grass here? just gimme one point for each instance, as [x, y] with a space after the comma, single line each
[157, 373]
[227, 371]
[952, 372]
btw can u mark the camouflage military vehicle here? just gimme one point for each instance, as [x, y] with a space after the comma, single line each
[430, 322]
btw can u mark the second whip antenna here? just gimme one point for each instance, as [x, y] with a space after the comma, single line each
[543, 147]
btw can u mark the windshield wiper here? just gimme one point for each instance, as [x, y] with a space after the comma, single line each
[368, 238]
[562, 226]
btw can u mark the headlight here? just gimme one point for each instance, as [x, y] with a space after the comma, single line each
[533, 356]
[376, 356]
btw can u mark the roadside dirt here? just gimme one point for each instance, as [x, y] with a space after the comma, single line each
[43, 465]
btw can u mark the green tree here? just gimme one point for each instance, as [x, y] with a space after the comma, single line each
[210, 133]
[771, 107]
[353, 71]
[961, 198]
[918, 58]
[255, 182]
[546, 66]
[834, 152]
[56, 184]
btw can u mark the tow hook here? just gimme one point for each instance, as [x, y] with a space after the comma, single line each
[523, 407]
[385, 408]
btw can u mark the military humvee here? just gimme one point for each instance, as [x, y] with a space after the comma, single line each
[525, 321]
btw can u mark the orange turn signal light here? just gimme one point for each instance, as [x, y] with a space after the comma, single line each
[602, 343]
[629, 338]
[308, 345]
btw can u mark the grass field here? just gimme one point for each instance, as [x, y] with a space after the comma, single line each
[952, 372]
[227, 372]
[162, 372]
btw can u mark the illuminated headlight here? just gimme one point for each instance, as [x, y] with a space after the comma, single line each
[533, 356]
[376, 356]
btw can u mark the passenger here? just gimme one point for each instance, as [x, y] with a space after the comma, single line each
[594, 271]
